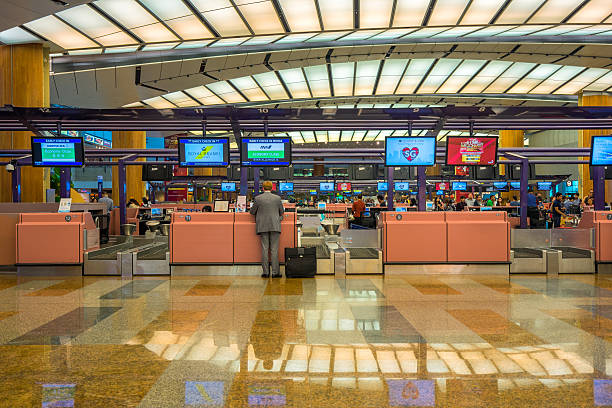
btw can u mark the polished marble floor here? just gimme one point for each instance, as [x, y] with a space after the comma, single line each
[368, 341]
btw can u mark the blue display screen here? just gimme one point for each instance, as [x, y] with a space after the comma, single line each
[440, 192]
[410, 151]
[228, 186]
[313, 192]
[459, 186]
[545, 185]
[66, 152]
[500, 185]
[402, 186]
[326, 186]
[156, 212]
[601, 151]
[265, 151]
[515, 185]
[382, 186]
[285, 187]
[203, 152]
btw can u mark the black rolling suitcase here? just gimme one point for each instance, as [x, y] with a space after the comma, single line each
[300, 262]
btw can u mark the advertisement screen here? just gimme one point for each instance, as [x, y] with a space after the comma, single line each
[500, 185]
[265, 151]
[228, 186]
[601, 151]
[285, 187]
[545, 185]
[462, 171]
[382, 186]
[203, 152]
[410, 151]
[471, 151]
[343, 186]
[459, 186]
[64, 152]
[443, 186]
[515, 185]
[402, 186]
[326, 186]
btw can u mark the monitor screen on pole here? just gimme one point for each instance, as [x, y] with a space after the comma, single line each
[382, 186]
[544, 185]
[343, 186]
[326, 187]
[459, 186]
[285, 187]
[515, 185]
[443, 186]
[402, 186]
[203, 151]
[265, 151]
[500, 185]
[228, 187]
[471, 151]
[410, 151]
[601, 151]
[57, 151]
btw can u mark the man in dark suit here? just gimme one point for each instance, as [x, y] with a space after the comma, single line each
[268, 211]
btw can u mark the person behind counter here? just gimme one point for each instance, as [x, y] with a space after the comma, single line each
[106, 200]
[381, 201]
[557, 210]
[145, 202]
[515, 202]
[359, 208]
[461, 205]
[268, 211]
[133, 203]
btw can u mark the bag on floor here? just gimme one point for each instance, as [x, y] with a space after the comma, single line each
[300, 262]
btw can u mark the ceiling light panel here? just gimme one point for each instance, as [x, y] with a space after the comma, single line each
[518, 11]
[270, 83]
[595, 11]
[554, 11]
[89, 51]
[562, 29]
[193, 44]
[489, 31]
[53, 29]
[524, 30]
[92, 23]
[318, 80]
[580, 82]
[333, 135]
[438, 75]
[226, 92]
[359, 35]
[509, 77]
[309, 136]
[117, 50]
[383, 135]
[371, 135]
[336, 14]
[481, 11]
[223, 17]
[447, 12]
[393, 33]
[365, 77]
[375, 13]
[417, 68]
[17, 35]
[262, 39]
[229, 42]
[295, 81]
[301, 15]
[556, 80]
[603, 83]
[328, 36]
[410, 13]
[205, 96]
[321, 136]
[296, 137]
[390, 76]
[159, 47]
[346, 135]
[458, 31]
[260, 15]
[461, 76]
[342, 76]
[176, 14]
[295, 38]
[181, 99]
[596, 29]
[159, 103]
[534, 78]
[358, 136]
[249, 88]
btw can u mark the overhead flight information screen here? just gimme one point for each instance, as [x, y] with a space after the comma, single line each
[203, 152]
[601, 151]
[271, 151]
[61, 152]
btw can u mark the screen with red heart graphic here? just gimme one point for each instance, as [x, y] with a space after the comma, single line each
[410, 151]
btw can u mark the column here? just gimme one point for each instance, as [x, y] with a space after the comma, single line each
[24, 82]
[510, 138]
[584, 140]
[135, 187]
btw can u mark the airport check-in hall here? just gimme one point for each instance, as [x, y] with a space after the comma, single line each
[306, 203]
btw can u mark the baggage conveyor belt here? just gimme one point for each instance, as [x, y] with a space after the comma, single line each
[123, 258]
[528, 260]
[552, 260]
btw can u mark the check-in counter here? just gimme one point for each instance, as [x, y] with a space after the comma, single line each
[478, 237]
[201, 238]
[414, 237]
[55, 238]
[603, 236]
[247, 247]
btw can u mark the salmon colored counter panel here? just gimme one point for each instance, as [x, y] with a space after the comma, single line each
[478, 236]
[201, 238]
[603, 236]
[50, 238]
[8, 238]
[247, 247]
[414, 237]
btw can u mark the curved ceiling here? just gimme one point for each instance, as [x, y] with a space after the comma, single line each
[119, 26]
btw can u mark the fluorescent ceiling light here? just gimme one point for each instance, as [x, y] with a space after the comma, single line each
[383, 135]
[117, 50]
[321, 136]
[223, 17]
[308, 136]
[261, 16]
[296, 137]
[557, 79]
[159, 47]
[417, 68]
[295, 38]
[410, 13]
[301, 15]
[271, 85]
[509, 77]
[518, 11]
[593, 12]
[205, 96]
[461, 76]
[346, 135]
[333, 135]
[90, 51]
[596, 29]
[225, 91]
[375, 13]
[53, 29]
[438, 75]
[249, 88]
[481, 12]
[336, 14]
[159, 103]
[447, 12]
[17, 35]
[359, 35]
[554, 11]
[92, 23]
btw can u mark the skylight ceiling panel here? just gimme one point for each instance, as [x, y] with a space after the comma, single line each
[346, 135]
[410, 13]
[318, 80]
[601, 84]
[417, 68]
[327, 36]
[358, 136]
[393, 33]
[296, 137]
[458, 31]
[159, 47]
[556, 80]
[481, 12]
[53, 29]
[261, 16]
[554, 11]
[95, 26]
[581, 81]
[336, 14]
[461, 76]
[205, 96]
[321, 136]
[447, 12]
[426, 32]
[333, 135]
[562, 29]
[518, 11]
[371, 135]
[226, 92]
[270, 83]
[295, 81]
[178, 17]
[116, 50]
[17, 35]
[509, 77]
[438, 75]
[180, 99]
[489, 31]
[301, 15]
[309, 136]
[595, 11]
[342, 77]
[249, 88]
[359, 35]
[390, 76]
[375, 13]
[596, 29]
[295, 38]
[262, 39]
[365, 77]
[223, 17]
[229, 42]
[524, 30]
[383, 135]
[159, 103]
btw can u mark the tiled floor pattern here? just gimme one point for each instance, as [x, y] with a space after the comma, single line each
[369, 341]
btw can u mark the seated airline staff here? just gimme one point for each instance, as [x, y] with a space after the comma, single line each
[358, 209]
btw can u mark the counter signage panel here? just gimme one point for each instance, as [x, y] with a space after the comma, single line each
[51, 152]
[459, 186]
[203, 152]
[601, 151]
[500, 185]
[471, 151]
[382, 186]
[515, 185]
[410, 151]
[265, 151]
[231, 187]
[544, 185]
[285, 187]
[443, 186]
[326, 186]
[343, 186]
[402, 186]
[313, 192]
